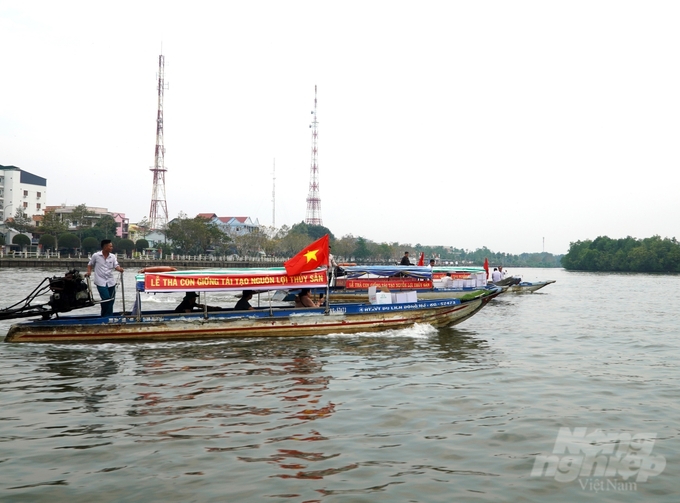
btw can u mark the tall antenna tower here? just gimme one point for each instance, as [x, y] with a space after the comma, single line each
[158, 214]
[274, 196]
[313, 199]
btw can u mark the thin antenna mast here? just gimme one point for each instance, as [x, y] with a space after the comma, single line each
[274, 195]
[158, 214]
[313, 198]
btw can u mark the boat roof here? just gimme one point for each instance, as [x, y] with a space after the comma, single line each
[455, 268]
[230, 279]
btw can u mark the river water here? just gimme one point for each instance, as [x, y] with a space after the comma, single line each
[512, 405]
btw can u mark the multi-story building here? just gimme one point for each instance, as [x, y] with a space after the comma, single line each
[21, 189]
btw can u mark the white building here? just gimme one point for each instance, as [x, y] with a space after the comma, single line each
[232, 226]
[21, 189]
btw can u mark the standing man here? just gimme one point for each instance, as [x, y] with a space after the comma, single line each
[332, 267]
[104, 263]
[405, 260]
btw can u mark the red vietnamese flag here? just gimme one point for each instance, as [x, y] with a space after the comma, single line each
[313, 256]
[421, 260]
[486, 267]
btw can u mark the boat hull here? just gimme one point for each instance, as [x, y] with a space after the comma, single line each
[341, 318]
[529, 287]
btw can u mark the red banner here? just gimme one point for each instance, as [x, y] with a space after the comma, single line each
[392, 284]
[454, 275]
[168, 282]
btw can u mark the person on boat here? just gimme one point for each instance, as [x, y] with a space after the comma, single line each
[431, 263]
[496, 275]
[103, 263]
[447, 281]
[405, 260]
[304, 299]
[332, 266]
[243, 304]
[189, 303]
[503, 273]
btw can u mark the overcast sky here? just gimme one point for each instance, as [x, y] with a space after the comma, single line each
[506, 124]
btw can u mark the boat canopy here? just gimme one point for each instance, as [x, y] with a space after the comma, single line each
[455, 268]
[414, 271]
[232, 279]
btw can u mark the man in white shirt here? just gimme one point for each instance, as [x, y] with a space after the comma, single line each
[496, 275]
[104, 263]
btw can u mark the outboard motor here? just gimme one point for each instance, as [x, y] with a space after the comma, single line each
[69, 292]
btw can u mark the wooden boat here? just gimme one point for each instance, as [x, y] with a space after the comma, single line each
[509, 281]
[271, 321]
[528, 287]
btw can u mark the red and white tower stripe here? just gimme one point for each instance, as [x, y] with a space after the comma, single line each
[158, 214]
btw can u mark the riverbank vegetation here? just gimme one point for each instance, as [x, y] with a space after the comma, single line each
[198, 236]
[624, 255]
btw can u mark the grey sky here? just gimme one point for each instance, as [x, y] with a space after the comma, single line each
[468, 124]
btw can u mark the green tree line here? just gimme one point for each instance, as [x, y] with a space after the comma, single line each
[625, 255]
[88, 232]
[198, 236]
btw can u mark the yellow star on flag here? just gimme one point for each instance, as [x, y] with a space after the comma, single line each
[311, 255]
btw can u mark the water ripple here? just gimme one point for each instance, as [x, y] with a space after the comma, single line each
[424, 415]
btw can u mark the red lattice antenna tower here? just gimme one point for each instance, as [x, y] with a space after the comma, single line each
[158, 214]
[313, 199]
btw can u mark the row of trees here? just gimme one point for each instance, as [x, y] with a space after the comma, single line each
[88, 231]
[626, 255]
[198, 236]
[69, 242]
[86, 224]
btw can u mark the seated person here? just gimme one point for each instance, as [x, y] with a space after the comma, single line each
[189, 303]
[447, 281]
[304, 299]
[243, 304]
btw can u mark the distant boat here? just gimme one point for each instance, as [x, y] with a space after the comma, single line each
[527, 287]
[509, 281]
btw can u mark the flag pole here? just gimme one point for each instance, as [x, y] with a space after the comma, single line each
[328, 284]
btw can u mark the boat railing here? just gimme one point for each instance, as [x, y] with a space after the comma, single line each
[29, 254]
